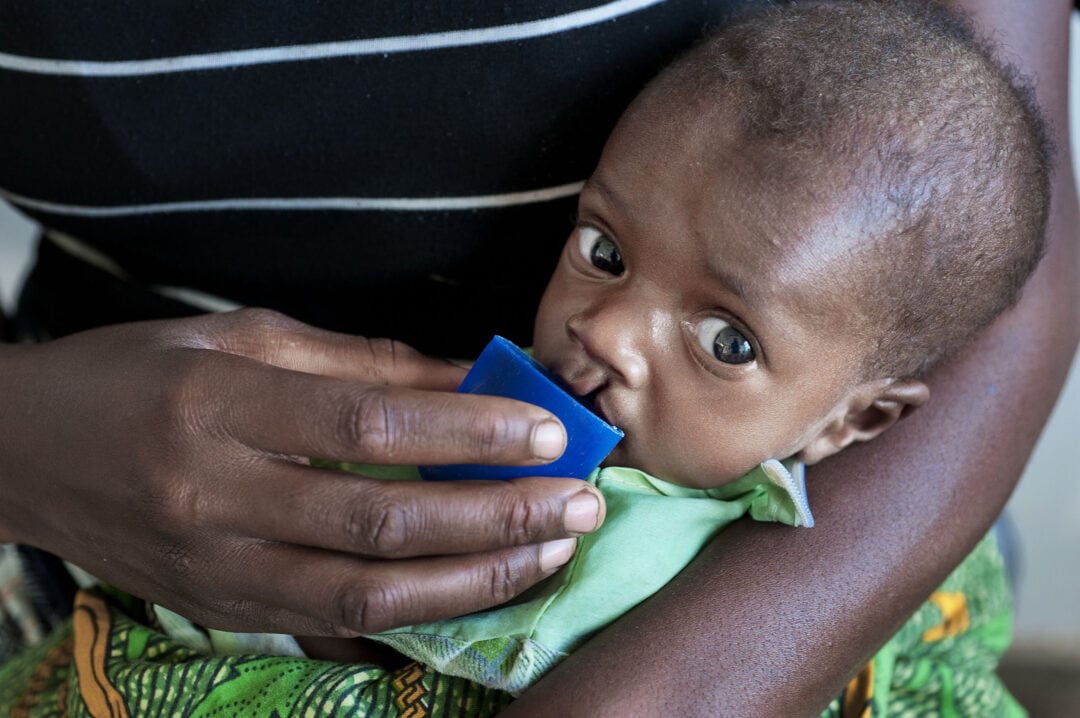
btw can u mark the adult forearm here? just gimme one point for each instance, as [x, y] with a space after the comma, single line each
[774, 622]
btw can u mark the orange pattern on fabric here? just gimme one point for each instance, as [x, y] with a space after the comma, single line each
[91, 623]
[955, 618]
[408, 682]
[858, 693]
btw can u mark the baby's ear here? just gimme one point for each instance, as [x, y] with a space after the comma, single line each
[869, 410]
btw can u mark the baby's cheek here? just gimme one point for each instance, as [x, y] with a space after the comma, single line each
[547, 331]
[706, 453]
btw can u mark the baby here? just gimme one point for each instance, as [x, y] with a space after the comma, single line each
[786, 230]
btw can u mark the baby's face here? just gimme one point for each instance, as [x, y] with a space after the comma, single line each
[696, 310]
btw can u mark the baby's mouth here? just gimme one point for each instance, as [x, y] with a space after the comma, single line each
[587, 391]
[590, 401]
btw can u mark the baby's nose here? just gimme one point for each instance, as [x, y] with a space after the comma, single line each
[617, 336]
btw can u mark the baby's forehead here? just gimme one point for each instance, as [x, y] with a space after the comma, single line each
[818, 253]
[810, 218]
[810, 251]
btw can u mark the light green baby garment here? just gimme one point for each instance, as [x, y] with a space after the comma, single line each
[653, 529]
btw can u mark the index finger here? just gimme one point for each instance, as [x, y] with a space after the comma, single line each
[286, 412]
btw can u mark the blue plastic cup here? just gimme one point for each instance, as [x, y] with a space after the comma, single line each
[503, 369]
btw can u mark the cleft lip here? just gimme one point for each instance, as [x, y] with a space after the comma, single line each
[592, 403]
[586, 388]
[589, 400]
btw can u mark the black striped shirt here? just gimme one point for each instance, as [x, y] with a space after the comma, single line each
[396, 168]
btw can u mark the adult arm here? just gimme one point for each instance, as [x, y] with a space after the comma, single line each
[769, 621]
[164, 457]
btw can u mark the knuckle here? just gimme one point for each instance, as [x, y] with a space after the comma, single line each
[381, 529]
[367, 422]
[399, 353]
[171, 503]
[262, 318]
[491, 434]
[182, 382]
[187, 399]
[385, 358]
[505, 580]
[525, 523]
[183, 511]
[376, 366]
[367, 608]
[260, 333]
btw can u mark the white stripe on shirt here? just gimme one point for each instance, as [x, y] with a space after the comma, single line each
[301, 204]
[317, 51]
[185, 295]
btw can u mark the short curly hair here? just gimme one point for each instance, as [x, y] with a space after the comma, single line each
[897, 106]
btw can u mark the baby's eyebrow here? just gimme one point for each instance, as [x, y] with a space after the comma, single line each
[740, 285]
[613, 202]
[734, 283]
[752, 305]
[609, 197]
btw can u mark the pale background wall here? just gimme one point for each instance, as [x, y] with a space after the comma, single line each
[1045, 509]
[15, 234]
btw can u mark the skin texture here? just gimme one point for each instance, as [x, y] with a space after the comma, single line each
[772, 622]
[170, 471]
[761, 624]
[640, 336]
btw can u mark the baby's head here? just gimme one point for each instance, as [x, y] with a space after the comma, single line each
[787, 229]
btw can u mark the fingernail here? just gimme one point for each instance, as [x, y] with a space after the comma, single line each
[555, 553]
[548, 441]
[582, 513]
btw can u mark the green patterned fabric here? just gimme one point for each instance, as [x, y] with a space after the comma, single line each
[114, 659]
[941, 664]
[110, 661]
[105, 662]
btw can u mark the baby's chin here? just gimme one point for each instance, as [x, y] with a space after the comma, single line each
[617, 457]
[623, 455]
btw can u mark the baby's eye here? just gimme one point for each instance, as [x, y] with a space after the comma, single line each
[598, 249]
[724, 341]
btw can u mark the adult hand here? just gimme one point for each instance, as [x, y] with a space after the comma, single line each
[165, 458]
